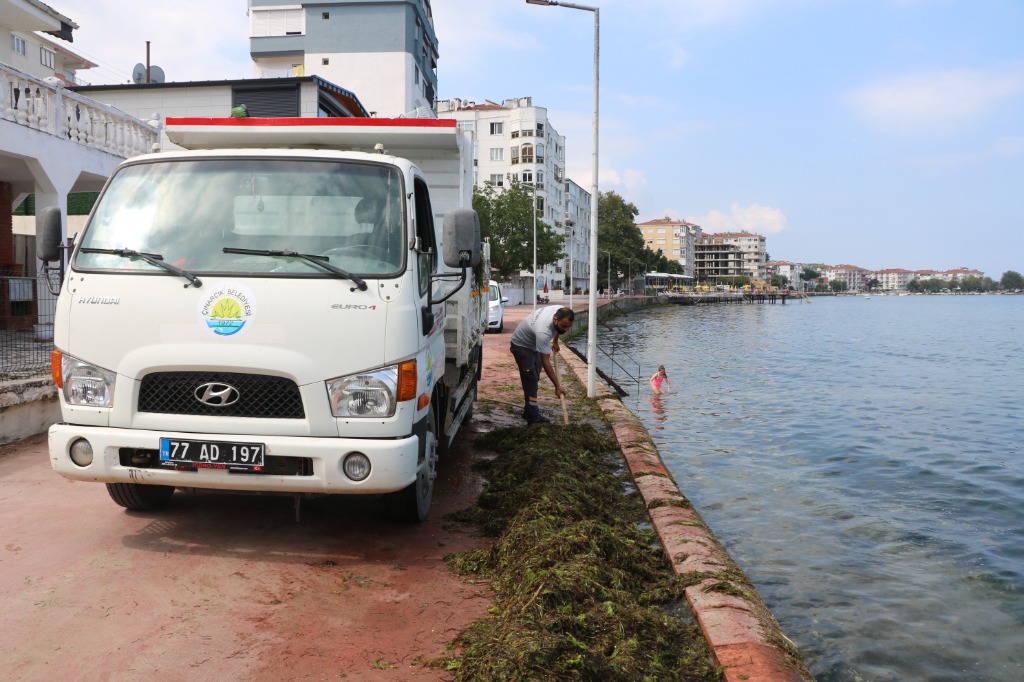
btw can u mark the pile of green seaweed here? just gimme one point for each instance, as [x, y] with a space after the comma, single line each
[582, 590]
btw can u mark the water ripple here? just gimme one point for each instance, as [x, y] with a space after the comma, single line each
[862, 464]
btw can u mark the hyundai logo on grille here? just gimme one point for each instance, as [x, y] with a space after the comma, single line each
[216, 394]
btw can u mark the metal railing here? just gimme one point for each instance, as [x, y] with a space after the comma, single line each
[27, 307]
[50, 108]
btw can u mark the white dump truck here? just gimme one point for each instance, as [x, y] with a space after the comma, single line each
[286, 306]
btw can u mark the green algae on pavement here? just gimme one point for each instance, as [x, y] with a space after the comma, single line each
[582, 590]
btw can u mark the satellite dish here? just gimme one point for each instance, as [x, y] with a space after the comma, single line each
[156, 74]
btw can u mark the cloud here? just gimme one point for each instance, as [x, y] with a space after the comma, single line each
[936, 101]
[1009, 146]
[115, 37]
[675, 56]
[754, 218]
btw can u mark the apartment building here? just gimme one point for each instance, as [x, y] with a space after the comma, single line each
[856, 278]
[385, 50]
[36, 54]
[677, 239]
[894, 279]
[731, 254]
[577, 231]
[514, 140]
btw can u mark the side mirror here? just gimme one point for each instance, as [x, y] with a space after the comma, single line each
[48, 234]
[461, 238]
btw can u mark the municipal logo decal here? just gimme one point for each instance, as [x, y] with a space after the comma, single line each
[228, 310]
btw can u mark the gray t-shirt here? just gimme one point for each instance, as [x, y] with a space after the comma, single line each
[537, 330]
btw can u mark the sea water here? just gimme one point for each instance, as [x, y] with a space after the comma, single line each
[861, 459]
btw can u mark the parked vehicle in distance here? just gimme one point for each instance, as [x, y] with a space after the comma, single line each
[495, 308]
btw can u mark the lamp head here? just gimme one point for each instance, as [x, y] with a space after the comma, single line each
[540, 2]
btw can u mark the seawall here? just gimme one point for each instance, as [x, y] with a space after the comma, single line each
[747, 641]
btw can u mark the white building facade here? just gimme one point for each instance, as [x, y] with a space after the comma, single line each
[514, 140]
[384, 50]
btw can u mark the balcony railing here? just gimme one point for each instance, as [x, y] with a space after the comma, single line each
[49, 108]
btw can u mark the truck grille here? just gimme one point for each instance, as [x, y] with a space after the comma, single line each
[257, 396]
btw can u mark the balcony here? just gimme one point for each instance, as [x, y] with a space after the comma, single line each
[52, 110]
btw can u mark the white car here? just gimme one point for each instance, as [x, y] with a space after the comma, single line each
[495, 308]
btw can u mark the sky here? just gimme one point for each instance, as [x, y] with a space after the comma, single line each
[875, 133]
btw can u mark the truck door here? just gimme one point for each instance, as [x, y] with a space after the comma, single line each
[428, 247]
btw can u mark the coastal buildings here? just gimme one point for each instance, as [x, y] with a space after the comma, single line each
[677, 239]
[854, 277]
[384, 50]
[730, 254]
[514, 140]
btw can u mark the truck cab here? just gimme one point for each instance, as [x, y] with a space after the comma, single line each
[280, 308]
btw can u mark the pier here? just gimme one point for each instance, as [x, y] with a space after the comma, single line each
[713, 297]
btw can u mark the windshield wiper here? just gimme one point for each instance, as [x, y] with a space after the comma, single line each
[151, 258]
[308, 257]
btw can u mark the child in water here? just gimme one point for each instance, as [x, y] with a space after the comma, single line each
[659, 382]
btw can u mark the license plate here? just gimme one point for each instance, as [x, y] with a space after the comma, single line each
[203, 454]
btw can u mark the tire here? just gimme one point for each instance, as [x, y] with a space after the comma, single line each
[139, 497]
[412, 504]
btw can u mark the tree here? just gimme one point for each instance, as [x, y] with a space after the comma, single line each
[506, 219]
[838, 285]
[619, 236]
[874, 284]
[808, 275]
[1011, 279]
[779, 281]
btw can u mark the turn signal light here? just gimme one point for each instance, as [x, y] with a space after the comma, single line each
[55, 365]
[407, 380]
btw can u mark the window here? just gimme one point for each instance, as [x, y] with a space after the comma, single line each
[47, 57]
[528, 176]
[540, 152]
[427, 260]
[277, 22]
[527, 153]
[660, 230]
[540, 130]
[515, 154]
[497, 180]
[18, 45]
[326, 15]
[540, 205]
[526, 133]
[325, 61]
[497, 153]
[515, 134]
[540, 179]
[497, 128]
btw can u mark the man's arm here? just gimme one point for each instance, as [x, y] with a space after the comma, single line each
[545, 361]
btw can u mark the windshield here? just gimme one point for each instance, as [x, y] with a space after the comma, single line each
[187, 212]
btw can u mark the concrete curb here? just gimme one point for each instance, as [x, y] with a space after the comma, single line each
[744, 636]
[27, 407]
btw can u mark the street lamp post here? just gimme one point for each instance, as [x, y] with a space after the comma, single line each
[592, 313]
[609, 288]
[534, 246]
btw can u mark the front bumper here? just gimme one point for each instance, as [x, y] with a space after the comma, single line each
[393, 461]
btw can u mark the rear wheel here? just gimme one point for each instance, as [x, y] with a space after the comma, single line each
[413, 503]
[139, 497]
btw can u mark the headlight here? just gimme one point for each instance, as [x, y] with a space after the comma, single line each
[86, 384]
[368, 394]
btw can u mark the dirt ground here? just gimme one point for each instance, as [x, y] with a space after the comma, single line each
[217, 587]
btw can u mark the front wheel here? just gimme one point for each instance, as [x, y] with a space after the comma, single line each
[139, 497]
[412, 504]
